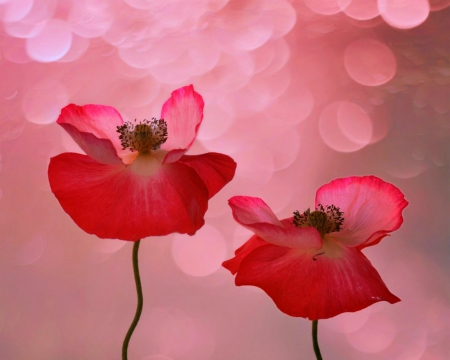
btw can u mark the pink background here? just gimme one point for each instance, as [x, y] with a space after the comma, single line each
[298, 92]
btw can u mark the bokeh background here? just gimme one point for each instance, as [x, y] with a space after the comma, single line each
[298, 92]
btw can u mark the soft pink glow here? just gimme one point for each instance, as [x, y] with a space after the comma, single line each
[202, 255]
[404, 14]
[55, 32]
[42, 104]
[89, 18]
[354, 123]
[110, 246]
[17, 10]
[370, 62]
[327, 7]
[348, 323]
[31, 251]
[362, 9]
[78, 47]
[293, 109]
[274, 75]
[374, 336]
[157, 357]
[345, 127]
[183, 336]
[436, 5]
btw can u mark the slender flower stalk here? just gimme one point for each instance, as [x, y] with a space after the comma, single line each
[315, 324]
[140, 302]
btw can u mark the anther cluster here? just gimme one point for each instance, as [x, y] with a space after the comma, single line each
[325, 219]
[145, 136]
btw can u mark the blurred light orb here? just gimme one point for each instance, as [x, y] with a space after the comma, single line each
[405, 169]
[109, 246]
[284, 148]
[362, 9]
[43, 105]
[199, 255]
[185, 337]
[347, 322]
[16, 10]
[88, 22]
[416, 346]
[256, 164]
[14, 50]
[293, 106]
[327, 7]
[23, 29]
[157, 357]
[78, 47]
[404, 14]
[370, 62]
[218, 122]
[281, 17]
[375, 336]
[51, 43]
[436, 5]
[31, 251]
[354, 123]
[345, 127]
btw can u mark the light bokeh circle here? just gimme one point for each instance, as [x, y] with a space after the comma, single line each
[404, 14]
[327, 7]
[17, 10]
[201, 254]
[345, 127]
[157, 357]
[376, 335]
[362, 9]
[370, 62]
[43, 105]
[51, 43]
[31, 251]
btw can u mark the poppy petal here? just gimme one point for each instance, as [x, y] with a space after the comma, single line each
[314, 285]
[372, 208]
[216, 170]
[183, 113]
[254, 214]
[173, 155]
[101, 150]
[113, 201]
[233, 264]
[99, 120]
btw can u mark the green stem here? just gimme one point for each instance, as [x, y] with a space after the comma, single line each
[137, 279]
[315, 342]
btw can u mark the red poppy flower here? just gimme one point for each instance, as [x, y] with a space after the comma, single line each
[135, 180]
[311, 265]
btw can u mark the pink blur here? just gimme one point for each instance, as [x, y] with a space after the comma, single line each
[298, 92]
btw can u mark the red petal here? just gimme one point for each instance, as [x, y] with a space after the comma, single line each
[233, 264]
[101, 150]
[372, 208]
[340, 280]
[216, 170]
[173, 155]
[99, 120]
[183, 113]
[112, 201]
[255, 214]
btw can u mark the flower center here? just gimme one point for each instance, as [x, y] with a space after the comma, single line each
[325, 219]
[145, 136]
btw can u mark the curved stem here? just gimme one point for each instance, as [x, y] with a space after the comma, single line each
[140, 302]
[315, 342]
